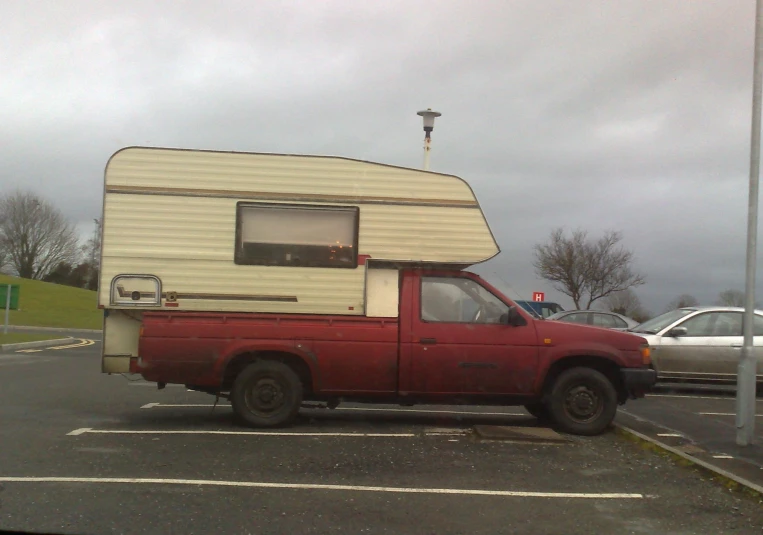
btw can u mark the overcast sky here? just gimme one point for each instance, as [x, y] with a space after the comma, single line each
[625, 115]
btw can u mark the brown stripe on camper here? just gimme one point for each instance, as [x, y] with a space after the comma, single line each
[216, 297]
[293, 197]
[233, 297]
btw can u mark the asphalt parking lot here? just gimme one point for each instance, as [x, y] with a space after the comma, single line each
[87, 453]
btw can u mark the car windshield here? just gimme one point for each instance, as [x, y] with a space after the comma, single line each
[655, 325]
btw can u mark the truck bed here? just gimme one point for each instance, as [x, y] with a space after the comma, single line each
[345, 354]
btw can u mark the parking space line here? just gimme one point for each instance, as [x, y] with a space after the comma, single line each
[84, 430]
[29, 351]
[431, 411]
[669, 435]
[170, 405]
[722, 457]
[310, 486]
[142, 383]
[724, 414]
[730, 398]
[360, 409]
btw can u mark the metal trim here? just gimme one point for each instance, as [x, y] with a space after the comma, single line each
[136, 304]
[288, 197]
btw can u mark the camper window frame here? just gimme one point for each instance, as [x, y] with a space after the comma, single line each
[239, 257]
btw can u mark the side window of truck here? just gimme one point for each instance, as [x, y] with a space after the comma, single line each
[459, 300]
[296, 235]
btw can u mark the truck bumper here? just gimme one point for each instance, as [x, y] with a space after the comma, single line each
[638, 381]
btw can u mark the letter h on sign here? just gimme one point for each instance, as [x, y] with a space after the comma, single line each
[538, 296]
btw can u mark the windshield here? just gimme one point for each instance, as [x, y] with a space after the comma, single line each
[655, 325]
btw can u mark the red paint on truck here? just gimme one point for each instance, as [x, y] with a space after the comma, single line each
[404, 359]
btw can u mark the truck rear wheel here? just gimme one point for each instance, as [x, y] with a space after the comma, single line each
[267, 393]
[583, 401]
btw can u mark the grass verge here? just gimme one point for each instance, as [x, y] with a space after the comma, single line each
[43, 304]
[16, 338]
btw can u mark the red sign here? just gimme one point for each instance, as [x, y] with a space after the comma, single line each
[539, 296]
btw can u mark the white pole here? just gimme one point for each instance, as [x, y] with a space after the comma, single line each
[746, 371]
[427, 149]
[7, 308]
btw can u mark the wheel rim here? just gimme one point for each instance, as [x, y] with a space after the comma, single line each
[583, 403]
[265, 396]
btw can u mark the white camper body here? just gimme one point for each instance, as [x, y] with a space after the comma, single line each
[192, 230]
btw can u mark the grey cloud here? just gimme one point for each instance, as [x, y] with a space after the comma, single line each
[630, 115]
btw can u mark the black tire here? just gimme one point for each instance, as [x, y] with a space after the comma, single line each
[266, 393]
[539, 410]
[582, 402]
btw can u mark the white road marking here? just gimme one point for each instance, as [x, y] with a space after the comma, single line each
[724, 414]
[84, 430]
[669, 435]
[445, 431]
[142, 383]
[311, 486]
[29, 351]
[730, 398]
[170, 405]
[722, 457]
[82, 343]
[361, 409]
[432, 411]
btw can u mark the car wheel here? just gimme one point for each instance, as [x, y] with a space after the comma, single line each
[583, 401]
[267, 393]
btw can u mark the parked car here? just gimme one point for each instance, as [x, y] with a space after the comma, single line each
[597, 318]
[700, 344]
[542, 309]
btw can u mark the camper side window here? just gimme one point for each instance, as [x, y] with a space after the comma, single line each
[296, 235]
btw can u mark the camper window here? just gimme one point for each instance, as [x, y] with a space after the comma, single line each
[296, 235]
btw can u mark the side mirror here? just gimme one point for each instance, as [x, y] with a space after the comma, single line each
[678, 331]
[514, 318]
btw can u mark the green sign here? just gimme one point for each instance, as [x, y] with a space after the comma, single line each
[15, 290]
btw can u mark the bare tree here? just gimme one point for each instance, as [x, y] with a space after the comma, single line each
[625, 302]
[583, 269]
[34, 234]
[683, 300]
[91, 252]
[731, 298]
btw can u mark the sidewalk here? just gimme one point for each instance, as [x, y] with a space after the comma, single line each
[28, 328]
[706, 443]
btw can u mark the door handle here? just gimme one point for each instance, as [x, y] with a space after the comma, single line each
[736, 346]
[428, 340]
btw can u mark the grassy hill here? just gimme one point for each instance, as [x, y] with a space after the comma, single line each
[43, 304]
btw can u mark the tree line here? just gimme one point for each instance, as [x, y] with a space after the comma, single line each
[600, 271]
[38, 242]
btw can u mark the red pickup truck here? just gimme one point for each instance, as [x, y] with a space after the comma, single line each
[456, 340]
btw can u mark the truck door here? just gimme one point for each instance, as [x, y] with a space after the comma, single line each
[460, 343]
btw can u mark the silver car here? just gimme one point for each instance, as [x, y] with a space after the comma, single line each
[597, 318]
[700, 343]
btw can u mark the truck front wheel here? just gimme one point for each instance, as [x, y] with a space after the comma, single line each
[583, 401]
[267, 393]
